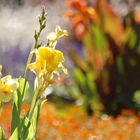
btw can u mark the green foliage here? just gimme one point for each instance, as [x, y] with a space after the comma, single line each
[136, 99]
[18, 99]
[2, 134]
[111, 46]
[88, 90]
[27, 128]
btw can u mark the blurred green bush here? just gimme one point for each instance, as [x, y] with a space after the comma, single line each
[107, 77]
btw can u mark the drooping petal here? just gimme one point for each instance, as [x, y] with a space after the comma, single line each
[59, 32]
[52, 37]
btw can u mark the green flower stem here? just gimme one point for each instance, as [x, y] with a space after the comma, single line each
[34, 102]
[42, 21]
[27, 70]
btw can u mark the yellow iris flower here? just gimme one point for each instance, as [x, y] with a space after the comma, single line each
[7, 87]
[48, 62]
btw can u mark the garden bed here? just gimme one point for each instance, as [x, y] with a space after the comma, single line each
[74, 124]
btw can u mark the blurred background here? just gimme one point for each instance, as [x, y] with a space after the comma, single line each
[102, 54]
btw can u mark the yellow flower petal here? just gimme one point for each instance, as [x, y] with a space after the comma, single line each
[37, 67]
[54, 36]
[7, 87]
[5, 94]
[59, 32]
[48, 62]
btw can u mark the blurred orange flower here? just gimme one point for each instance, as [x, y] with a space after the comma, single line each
[81, 16]
[76, 125]
[137, 17]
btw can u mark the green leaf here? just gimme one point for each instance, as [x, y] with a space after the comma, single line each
[21, 131]
[18, 98]
[34, 120]
[21, 86]
[27, 128]
[79, 77]
[130, 37]
[91, 83]
[88, 40]
[80, 80]
[2, 134]
[99, 39]
[120, 65]
[110, 22]
[136, 97]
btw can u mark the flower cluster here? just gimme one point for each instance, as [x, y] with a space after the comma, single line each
[48, 63]
[81, 16]
[8, 85]
[48, 60]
